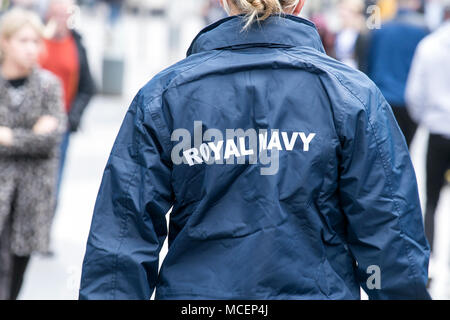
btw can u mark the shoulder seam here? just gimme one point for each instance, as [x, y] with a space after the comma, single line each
[171, 84]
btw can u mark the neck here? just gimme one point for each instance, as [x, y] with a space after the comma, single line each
[11, 71]
[61, 34]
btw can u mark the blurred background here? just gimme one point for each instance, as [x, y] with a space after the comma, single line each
[128, 41]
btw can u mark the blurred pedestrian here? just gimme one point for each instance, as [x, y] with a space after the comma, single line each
[391, 51]
[326, 35]
[65, 55]
[31, 125]
[363, 41]
[352, 23]
[428, 97]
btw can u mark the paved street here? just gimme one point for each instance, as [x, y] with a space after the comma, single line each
[147, 52]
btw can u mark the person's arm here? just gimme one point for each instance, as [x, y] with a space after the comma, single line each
[129, 221]
[379, 197]
[418, 84]
[33, 142]
[86, 89]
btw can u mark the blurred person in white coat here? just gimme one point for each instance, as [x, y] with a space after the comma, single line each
[428, 97]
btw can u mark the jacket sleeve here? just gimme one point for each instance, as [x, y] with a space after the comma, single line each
[129, 223]
[26, 142]
[379, 197]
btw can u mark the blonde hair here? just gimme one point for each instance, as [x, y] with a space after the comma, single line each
[259, 10]
[14, 20]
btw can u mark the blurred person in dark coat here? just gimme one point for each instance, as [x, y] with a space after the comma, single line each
[31, 125]
[428, 97]
[391, 51]
[65, 56]
[372, 18]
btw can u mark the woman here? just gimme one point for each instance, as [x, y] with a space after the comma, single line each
[286, 172]
[31, 125]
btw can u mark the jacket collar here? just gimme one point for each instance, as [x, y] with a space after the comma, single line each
[285, 30]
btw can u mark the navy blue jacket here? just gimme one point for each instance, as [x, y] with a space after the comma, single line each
[391, 51]
[340, 209]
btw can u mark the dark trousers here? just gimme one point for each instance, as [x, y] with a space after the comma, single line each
[12, 267]
[19, 266]
[438, 161]
[406, 123]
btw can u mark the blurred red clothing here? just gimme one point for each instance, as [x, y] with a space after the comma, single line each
[61, 58]
[328, 38]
